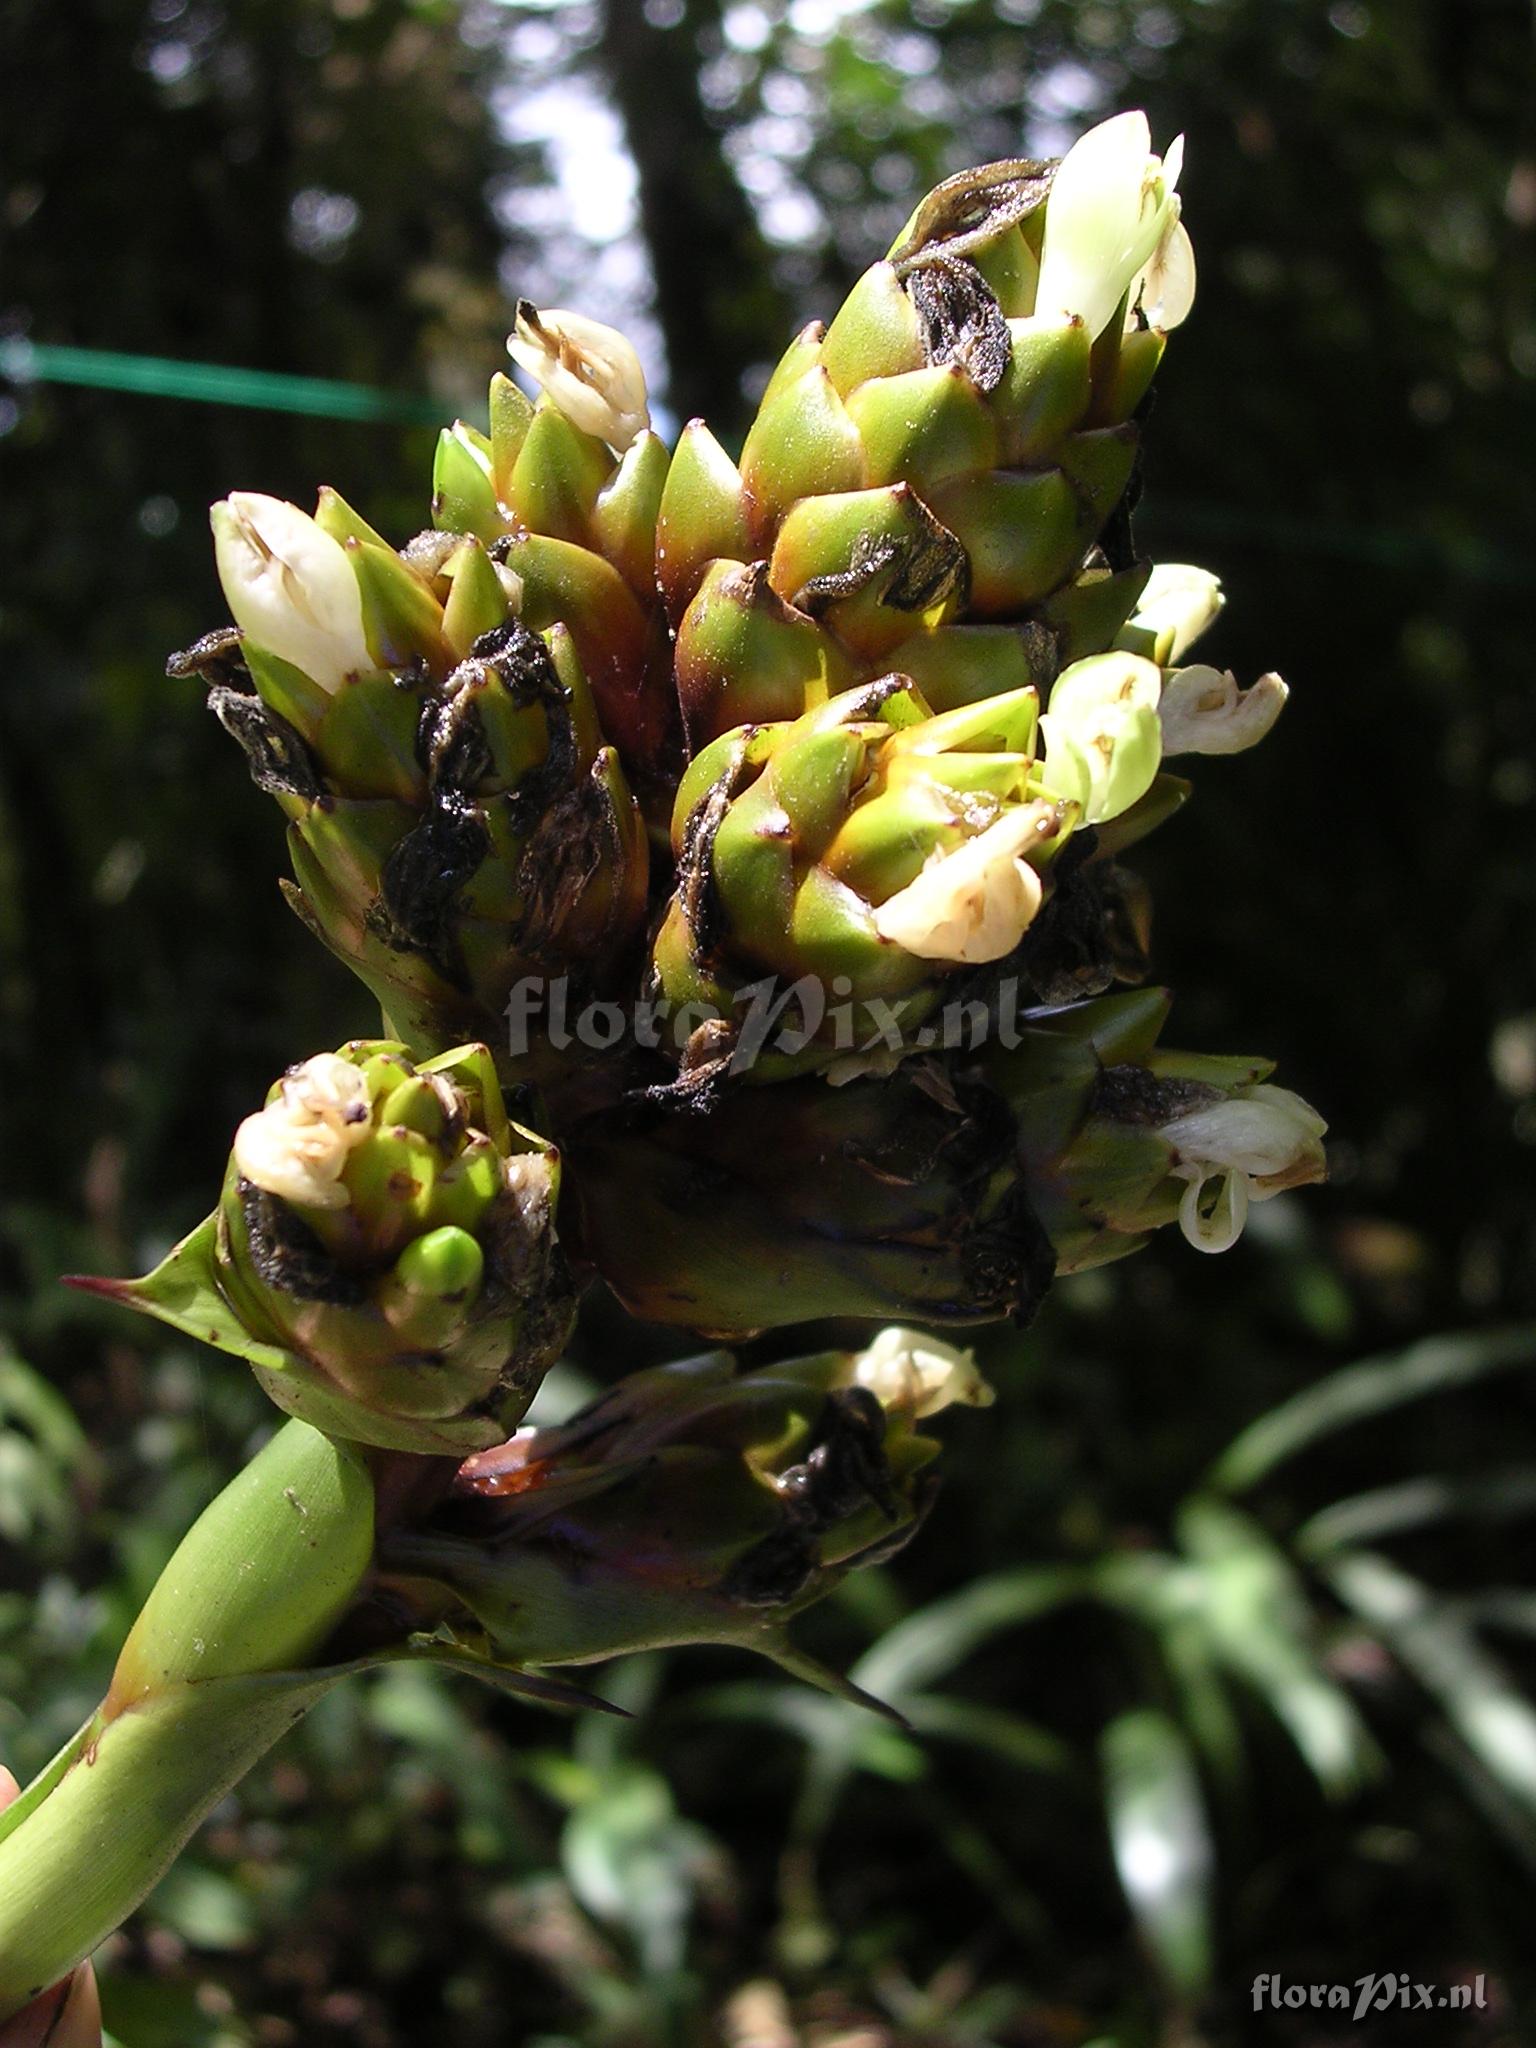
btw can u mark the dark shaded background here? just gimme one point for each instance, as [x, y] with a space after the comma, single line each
[1305, 1724]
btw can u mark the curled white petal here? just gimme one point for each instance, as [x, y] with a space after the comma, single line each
[290, 586]
[1204, 712]
[297, 1147]
[1178, 603]
[1252, 1144]
[976, 902]
[1111, 210]
[908, 1369]
[588, 370]
[1214, 1223]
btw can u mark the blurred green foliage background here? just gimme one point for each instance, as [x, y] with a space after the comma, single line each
[1220, 1646]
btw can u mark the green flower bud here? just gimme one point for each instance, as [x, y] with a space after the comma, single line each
[1103, 741]
[384, 1252]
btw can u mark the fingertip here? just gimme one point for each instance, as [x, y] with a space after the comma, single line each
[80, 2022]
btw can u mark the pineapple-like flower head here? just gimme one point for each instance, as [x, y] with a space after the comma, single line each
[975, 903]
[1202, 711]
[1258, 1142]
[1112, 230]
[297, 1147]
[290, 586]
[586, 369]
[908, 1369]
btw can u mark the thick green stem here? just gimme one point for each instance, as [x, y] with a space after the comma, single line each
[85, 1856]
[211, 1675]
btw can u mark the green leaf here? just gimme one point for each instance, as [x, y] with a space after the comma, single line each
[1370, 1387]
[1262, 1629]
[1477, 1695]
[933, 1641]
[1416, 1503]
[1162, 1845]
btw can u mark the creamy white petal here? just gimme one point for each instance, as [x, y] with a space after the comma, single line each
[975, 903]
[299, 1164]
[1204, 712]
[1111, 204]
[922, 1374]
[1165, 290]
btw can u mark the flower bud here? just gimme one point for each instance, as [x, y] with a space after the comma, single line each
[1111, 208]
[1102, 739]
[290, 586]
[586, 369]
[1204, 712]
[1178, 603]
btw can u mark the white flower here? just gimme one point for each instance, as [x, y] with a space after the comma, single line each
[1102, 739]
[976, 902]
[1176, 606]
[297, 1147]
[1257, 1142]
[588, 370]
[1204, 712]
[1111, 222]
[907, 1369]
[290, 587]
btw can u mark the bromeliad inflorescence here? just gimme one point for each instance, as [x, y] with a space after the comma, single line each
[822, 762]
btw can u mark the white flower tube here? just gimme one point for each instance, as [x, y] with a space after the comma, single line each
[1251, 1146]
[911, 1370]
[1178, 603]
[1102, 738]
[589, 371]
[1204, 712]
[297, 1147]
[1112, 215]
[290, 586]
[976, 902]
